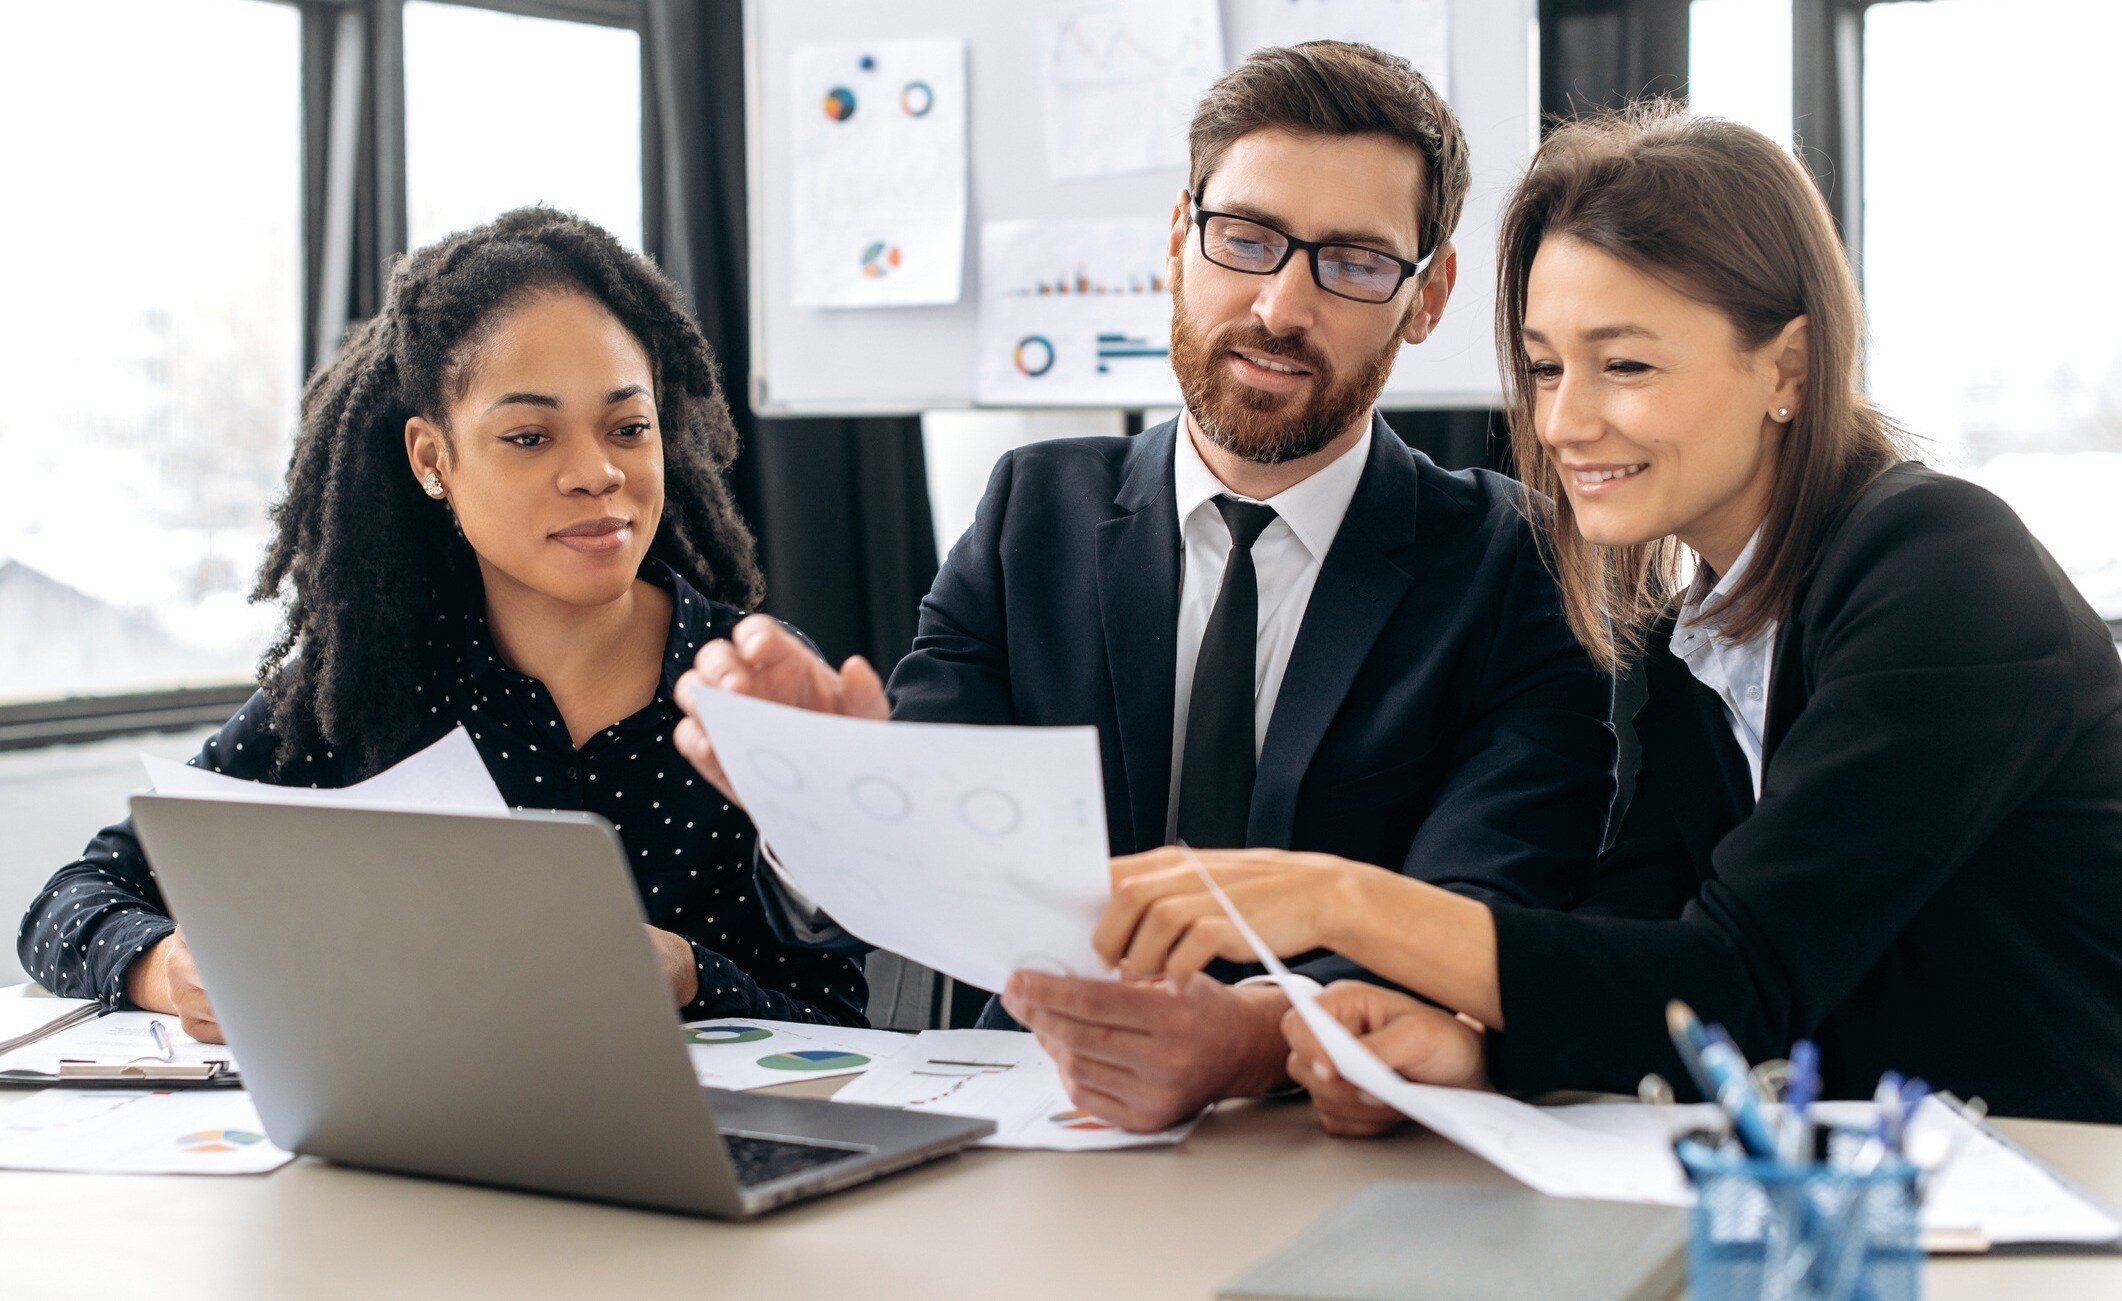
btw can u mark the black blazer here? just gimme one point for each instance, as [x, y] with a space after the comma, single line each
[1436, 716]
[1932, 880]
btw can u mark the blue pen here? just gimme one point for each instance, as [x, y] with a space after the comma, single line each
[1886, 1109]
[1798, 1098]
[1912, 1095]
[1722, 1074]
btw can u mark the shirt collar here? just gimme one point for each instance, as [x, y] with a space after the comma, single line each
[1313, 509]
[1700, 605]
[693, 624]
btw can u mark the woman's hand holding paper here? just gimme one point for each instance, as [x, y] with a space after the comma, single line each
[1424, 1043]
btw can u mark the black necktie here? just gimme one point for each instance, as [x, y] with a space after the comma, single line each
[1216, 772]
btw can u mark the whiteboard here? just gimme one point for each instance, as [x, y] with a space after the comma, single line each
[910, 359]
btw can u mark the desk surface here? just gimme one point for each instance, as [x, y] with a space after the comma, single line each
[1170, 1222]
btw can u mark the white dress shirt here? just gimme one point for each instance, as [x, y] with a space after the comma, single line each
[1736, 671]
[1286, 559]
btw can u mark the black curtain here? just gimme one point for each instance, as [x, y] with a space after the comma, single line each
[840, 505]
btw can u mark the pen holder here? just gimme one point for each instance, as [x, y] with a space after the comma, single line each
[1802, 1233]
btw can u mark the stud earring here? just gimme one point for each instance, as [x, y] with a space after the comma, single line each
[433, 484]
[1782, 413]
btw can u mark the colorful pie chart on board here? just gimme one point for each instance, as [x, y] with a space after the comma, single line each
[813, 1059]
[917, 98]
[726, 1034]
[880, 259]
[219, 1140]
[839, 103]
[1076, 1119]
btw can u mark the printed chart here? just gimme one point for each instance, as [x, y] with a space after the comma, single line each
[1122, 81]
[1075, 313]
[878, 138]
[752, 1054]
[137, 1131]
[999, 1075]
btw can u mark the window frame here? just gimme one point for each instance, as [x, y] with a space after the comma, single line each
[353, 212]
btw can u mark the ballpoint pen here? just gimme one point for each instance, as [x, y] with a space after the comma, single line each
[1723, 1077]
[1797, 1130]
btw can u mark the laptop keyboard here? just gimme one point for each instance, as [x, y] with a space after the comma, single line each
[758, 1160]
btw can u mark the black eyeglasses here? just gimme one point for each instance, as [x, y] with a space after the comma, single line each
[1237, 243]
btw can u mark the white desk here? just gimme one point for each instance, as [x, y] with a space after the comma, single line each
[1157, 1223]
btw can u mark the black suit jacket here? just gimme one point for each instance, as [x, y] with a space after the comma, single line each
[1436, 716]
[1932, 879]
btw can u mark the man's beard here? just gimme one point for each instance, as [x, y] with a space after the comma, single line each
[1269, 428]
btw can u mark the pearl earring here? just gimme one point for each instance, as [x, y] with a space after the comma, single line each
[433, 484]
[1782, 413]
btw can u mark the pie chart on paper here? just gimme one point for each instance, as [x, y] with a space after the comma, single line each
[813, 1059]
[726, 1034]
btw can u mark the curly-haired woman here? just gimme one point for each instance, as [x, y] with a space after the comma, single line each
[506, 511]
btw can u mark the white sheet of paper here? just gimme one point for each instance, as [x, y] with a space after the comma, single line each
[1075, 313]
[24, 1019]
[1122, 80]
[971, 850]
[1000, 1075]
[114, 1039]
[138, 1132]
[448, 776]
[749, 1053]
[1416, 30]
[877, 131]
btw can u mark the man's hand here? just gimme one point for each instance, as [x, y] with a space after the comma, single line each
[164, 979]
[1148, 1056]
[764, 660]
[674, 955]
[1426, 1044]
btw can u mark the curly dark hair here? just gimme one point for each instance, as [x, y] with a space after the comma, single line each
[372, 561]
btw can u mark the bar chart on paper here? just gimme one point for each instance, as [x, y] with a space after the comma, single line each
[1075, 313]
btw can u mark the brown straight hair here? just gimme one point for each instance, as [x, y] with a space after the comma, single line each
[1728, 217]
[1337, 88]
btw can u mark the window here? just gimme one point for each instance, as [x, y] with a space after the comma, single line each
[502, 110]
[1988, 214]
[1739, 63]
[152, 336]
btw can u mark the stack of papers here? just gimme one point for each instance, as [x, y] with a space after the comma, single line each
[24, 1020]
[998, 1075]
[137, 1132]
[446, 777]
[119, 1039]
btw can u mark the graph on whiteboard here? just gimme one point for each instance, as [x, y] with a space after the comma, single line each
[1121, 82]
[1075, 313]
[879, 205]
[1416, 30]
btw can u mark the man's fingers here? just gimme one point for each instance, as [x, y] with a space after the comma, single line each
[717, 666]
[1101, 1001]
[692, 742]
[765, 644]
[1085, 1041]
[862, 691]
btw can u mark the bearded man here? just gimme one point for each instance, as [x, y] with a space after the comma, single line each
[1291, 630]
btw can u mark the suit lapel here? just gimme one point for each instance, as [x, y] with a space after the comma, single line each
[1138, 603]
[1360, 584]
[1708, 785]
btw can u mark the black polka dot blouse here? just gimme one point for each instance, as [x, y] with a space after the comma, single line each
[692, 854]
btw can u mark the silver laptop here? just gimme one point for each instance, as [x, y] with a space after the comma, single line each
[473, 998]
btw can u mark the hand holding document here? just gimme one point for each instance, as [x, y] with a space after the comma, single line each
[999, 1075]
[448, 777]
[973, 850]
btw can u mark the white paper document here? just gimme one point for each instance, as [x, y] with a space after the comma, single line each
[448, 777]
[999, 1075]
[748, 1053]
[971, 850]
[1416, 30]
[1122, 80]
[25, 1019]
[877, 132]
[116, 1039]
[137, 1132]
[1075, 313]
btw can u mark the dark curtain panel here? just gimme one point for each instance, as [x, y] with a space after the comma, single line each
[840, 505]
[1606, 53]
[353, 166]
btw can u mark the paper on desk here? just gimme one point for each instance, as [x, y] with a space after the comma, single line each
[116, 1039]
[971, 850]
[749, 1053]
[448, 776]
[998, 1075]
[25, 1019]
[139, 1132]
